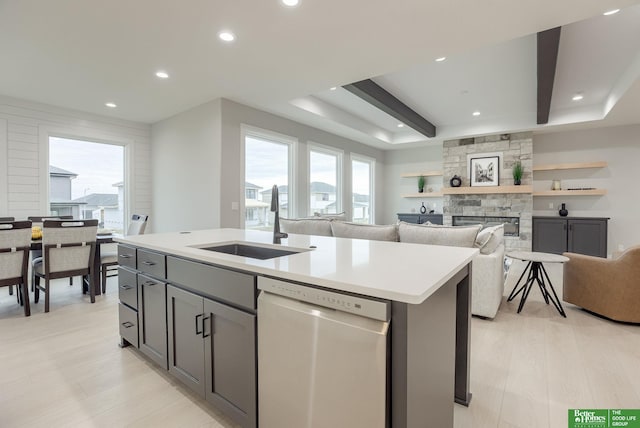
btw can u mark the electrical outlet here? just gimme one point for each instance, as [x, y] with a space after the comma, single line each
[550, 205]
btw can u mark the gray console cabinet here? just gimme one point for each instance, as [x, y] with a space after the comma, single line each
[583, 235]
[212, 349]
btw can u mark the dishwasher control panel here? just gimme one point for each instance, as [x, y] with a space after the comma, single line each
[362, 306]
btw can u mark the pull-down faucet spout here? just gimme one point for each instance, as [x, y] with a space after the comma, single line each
[275, 208]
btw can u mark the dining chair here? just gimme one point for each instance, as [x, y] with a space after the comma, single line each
[68, 249]
[109, 260]
[15, 243]
[37, 221]
[4, 220]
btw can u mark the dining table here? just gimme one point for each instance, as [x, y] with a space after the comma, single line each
[94, 279]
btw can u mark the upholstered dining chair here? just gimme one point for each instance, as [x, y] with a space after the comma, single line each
[37, 221]
[109, 259]
[15, 243]
[4, 220]
[68, 250]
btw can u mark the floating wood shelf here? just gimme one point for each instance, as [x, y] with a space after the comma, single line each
[578, 165]
[424, 195]
[588, 192]
[424, 174]
[470, 190]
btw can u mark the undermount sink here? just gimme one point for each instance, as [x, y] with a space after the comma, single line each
[251, 251]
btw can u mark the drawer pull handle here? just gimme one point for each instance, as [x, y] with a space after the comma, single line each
[125, 256]
[126, 287]
[149, 283]
[127, 324]
[148, 263]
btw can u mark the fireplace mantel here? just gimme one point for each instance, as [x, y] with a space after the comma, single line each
[470, 190]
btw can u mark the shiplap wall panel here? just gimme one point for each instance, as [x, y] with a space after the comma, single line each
[23, 168]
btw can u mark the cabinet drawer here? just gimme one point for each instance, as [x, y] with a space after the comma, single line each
[127, 287]
[128, 324]
[127, 256]
[221, 284]
[152, 263]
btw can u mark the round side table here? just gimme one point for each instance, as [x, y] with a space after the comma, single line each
[538, 274]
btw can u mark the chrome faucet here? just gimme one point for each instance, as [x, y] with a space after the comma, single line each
[275, 207]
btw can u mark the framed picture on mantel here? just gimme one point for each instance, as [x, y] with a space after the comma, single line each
[485, 171]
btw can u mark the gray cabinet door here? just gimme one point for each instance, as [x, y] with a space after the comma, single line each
[230, 358]
[588, 237]
[550, 235]
[186, 347]
[153, 319]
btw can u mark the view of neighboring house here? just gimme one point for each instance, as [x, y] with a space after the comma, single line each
[60, 192]
[105, 207]
[255, 210]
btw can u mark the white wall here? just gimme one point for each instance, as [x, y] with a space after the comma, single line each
[235, 115]
[398, 162]
[25, 128]
[186, 170]
[620, 147]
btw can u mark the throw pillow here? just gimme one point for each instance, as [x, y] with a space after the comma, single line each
[490, 238]
[339, 216]
[434, 234]
[372, 232]
[319, 226]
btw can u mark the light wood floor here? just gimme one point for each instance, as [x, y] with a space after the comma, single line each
[64, 369]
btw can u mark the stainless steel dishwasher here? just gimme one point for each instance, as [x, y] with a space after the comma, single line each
[322, 358]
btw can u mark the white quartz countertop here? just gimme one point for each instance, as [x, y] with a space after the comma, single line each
[397, 271]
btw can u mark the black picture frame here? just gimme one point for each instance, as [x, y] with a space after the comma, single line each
[485, 171]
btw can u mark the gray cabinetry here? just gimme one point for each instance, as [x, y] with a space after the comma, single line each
[152, 314]
[420, 218]
[212, 349]
[582, 235]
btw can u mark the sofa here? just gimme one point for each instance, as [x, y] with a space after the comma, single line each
[487, 281]
[609, 288]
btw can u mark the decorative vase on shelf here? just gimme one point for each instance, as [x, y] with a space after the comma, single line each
[563, 210]
[423, 209]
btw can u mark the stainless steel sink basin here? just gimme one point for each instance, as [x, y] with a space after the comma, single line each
[252, 251]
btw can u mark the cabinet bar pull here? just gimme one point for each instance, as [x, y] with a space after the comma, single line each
[127, 324]
[125, 256]
[149, 283]
[198, 332]
[204, 324]
[148, 263]
[126, 287]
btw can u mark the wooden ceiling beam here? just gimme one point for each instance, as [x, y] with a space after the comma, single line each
[377, 96]
[548, 43]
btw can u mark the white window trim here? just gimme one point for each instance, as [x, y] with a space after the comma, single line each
[372, 184]
[81, 134]
[328, 150]
[275, 137]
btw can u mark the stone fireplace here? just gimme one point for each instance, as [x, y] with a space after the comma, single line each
[509, 148]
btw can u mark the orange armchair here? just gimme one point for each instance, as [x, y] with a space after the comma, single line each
[610, 288]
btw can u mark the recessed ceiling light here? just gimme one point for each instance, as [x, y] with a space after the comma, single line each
[162, 74]
[611, 12]
[111, 105]
[227, 36]
[442, 58]
[476, 113]
[333, 88]
[401, 125]
[577, 97]
[290, 3]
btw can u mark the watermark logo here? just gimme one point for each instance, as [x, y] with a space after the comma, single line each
[604, 418]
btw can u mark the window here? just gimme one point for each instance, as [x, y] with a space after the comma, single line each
[86, 180]
[362, 183]
[268, 161]
[325, 166]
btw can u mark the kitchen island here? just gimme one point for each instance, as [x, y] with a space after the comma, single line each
[427, 288]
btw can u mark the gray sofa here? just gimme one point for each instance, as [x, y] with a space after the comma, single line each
[487, 285]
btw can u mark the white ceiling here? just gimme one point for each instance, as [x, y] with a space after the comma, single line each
[80, 54]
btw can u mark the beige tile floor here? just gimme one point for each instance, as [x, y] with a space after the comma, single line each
[64, 369]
